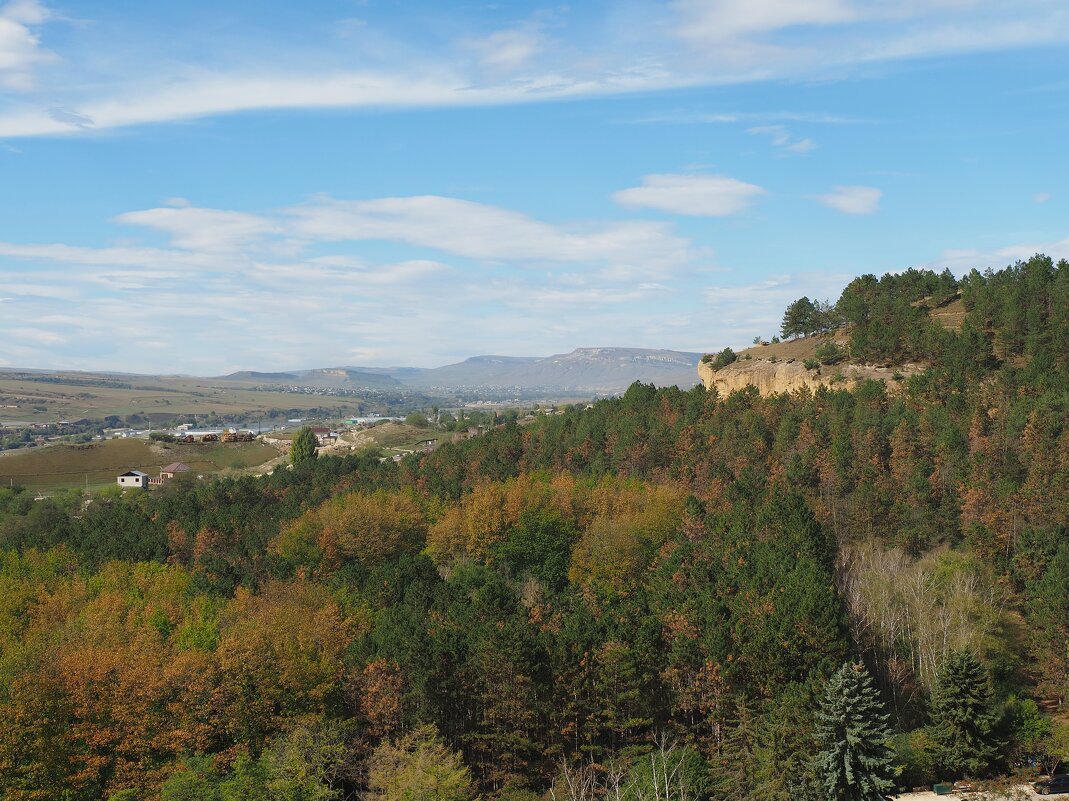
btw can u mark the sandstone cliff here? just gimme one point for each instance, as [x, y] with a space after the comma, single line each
[773, 377]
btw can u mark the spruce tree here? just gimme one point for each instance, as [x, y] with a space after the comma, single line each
[855, 760]
[963, 719]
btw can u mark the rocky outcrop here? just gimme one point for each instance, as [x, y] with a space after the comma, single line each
[773, 377]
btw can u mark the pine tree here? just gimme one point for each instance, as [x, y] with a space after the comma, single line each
[963, 719]
[733, 766]
[855, 761]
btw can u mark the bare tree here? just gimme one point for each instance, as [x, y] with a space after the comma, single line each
[659, 776]
[910, 613]
[575, 782]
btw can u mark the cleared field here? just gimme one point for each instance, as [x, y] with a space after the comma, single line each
[159, 399]
[60, 466]
[392, 436]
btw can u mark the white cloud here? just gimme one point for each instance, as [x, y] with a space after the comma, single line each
[113, 256]
[20, 47]
[188, 98]
[507, 49]
[204, 229]
[487, 233]
[695, 195]
[1041, 197]
[852, 199]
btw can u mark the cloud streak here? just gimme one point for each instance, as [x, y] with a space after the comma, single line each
[723, 42]
[782, 139]
[855, 200]
[693, 195]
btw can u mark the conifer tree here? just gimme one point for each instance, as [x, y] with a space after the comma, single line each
[963, 720]
[855, 761]
[733, 766]
[304, 446]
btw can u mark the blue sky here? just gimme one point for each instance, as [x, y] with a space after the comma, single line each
[204, 187]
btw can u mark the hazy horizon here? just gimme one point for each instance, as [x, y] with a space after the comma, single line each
[293, 369]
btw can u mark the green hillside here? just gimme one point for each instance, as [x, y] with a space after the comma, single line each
[734, 594]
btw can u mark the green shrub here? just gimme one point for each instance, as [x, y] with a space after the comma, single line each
[811, 364]
[721, 360]
[915, 755]
[830, 353]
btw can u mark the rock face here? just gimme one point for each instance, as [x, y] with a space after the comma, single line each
[774, 377]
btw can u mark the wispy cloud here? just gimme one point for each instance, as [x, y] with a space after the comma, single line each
[508, 49]
[782, 139]
[1041, 197]
[731, 20]
[723, 42]
[204, 229]
[487, 233]
[693, 195]
[852, 199]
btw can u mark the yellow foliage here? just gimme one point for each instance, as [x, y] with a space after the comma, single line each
[631, 522]
[365, 527]
[281, 651]
[128, 669]
[483, 517]
[624, 522]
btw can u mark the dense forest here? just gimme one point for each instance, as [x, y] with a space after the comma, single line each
[663, 596]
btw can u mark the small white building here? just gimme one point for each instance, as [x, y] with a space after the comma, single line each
[133, 478]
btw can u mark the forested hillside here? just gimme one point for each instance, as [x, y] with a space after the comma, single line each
[662, 584]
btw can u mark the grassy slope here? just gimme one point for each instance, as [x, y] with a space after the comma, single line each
[68, 465]
[397, 436]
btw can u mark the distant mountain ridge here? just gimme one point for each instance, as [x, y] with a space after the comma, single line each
[584, 369]
[595, 370]
[254, 375]
[606, 370]
[334, 377]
